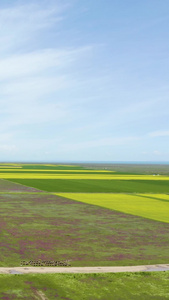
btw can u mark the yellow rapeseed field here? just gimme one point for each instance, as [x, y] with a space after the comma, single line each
[133, 204]
[43, 175]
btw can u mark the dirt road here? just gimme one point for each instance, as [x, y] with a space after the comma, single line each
[45, 270]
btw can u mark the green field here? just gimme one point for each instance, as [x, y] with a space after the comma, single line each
[96, 186]
[124, 286]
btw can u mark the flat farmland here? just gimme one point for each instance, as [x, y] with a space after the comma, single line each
[155, 207]
[96, 186]
[16, 171]
[48, 227]
[89, 175]
[88, 216]
[12, 187]
[67, 179]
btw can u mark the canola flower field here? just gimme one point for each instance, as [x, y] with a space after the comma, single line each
[83, 176]
[155, 207]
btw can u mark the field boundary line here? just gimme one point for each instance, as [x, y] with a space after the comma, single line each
[5, 179]
[84, 270]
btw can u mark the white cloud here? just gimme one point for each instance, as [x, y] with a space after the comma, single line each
[116, 141]
[156, 152]
[29, 95]
[39, 61]
[56, 98]
[159, 133]
[30, 89]
[20, 23]
[7, 148]
[30, 80]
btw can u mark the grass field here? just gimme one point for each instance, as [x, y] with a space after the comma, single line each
[44, 226]
[147, 206]
[125, 286]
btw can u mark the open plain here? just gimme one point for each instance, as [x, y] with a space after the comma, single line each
[88, 215]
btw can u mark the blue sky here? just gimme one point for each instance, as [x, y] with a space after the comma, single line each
[84, 80]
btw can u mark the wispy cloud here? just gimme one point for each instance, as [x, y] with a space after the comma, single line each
[156, 152]
[62, 91]
[22, 23]
[159, 133]
[31, 79]
[31, 84]
[39, 61]
[7, 148]
[105, 142]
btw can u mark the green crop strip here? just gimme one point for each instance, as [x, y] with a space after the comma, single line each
[96, 186]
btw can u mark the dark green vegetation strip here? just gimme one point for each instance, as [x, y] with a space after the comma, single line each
[47, 227]
[91, 172]
[96, 186]
[53, 167]
[125, 286]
